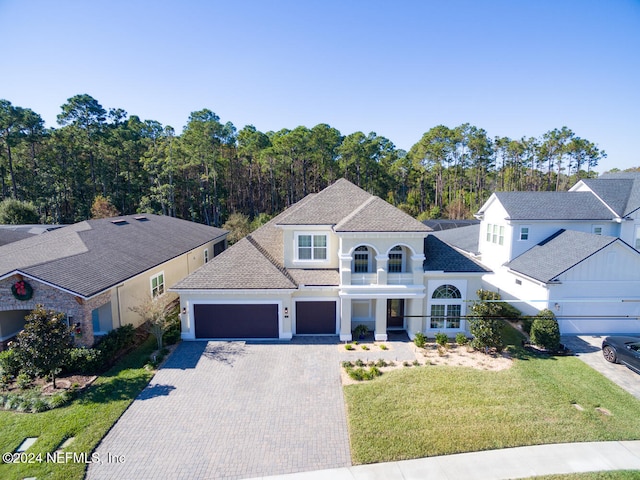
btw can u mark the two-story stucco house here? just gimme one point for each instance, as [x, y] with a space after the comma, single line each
[334, 260]
[97, 270]
[571, 252]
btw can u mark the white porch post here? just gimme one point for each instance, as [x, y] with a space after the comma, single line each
[381, 320]
[345, 269]
[345, 319]
[417, 268]
[415, 321]
[382, 262]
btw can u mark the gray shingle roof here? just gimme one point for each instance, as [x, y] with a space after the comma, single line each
[553, 206]
[463, 238]
[621, 191]
[242, 266]
[441, 257]
[438, 225]
[558, 253]
[92, 256]
[260, 260]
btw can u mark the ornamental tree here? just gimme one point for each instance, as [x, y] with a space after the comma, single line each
[486, 324]
[43, 347]
[154, 311]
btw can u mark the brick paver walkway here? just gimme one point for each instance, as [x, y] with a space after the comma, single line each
[224, 410]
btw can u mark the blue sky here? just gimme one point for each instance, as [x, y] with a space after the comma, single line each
[397, 68]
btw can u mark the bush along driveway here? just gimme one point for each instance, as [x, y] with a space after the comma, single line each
[234, 410]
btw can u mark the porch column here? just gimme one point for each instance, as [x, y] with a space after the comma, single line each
[415, 322]
[380, 333]
[345, 270]
[382, 261]
[345, 319]
[417, 262]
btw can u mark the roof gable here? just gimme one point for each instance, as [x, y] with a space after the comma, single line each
[621, 191]
[559, 253]
[441, 257]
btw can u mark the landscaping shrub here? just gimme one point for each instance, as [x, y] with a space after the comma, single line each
[171, 335]
[461, 338]
[9, 364]
[23, 381]
[348, 346]
[526, 323]
[420, 340]
[545, 331]
[360, 374]
[84, 360]
[116, 341]
[442, 339]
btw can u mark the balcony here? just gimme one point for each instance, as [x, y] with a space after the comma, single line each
[364, 279]
[400, 278]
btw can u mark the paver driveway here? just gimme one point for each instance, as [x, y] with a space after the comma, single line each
[233, 410]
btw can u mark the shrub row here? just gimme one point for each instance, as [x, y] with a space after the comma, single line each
[33, 401]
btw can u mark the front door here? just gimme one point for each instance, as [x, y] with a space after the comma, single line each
[395, 313]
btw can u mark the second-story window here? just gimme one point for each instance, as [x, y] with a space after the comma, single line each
[396, 259]
[524, 233]
[312, 247]
[361, 260]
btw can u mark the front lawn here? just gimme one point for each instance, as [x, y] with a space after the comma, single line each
[88, 418]
[439, 410]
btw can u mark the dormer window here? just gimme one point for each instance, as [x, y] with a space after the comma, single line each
[312, 247]
[396, 260]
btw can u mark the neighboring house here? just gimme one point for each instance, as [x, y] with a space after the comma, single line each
[571, 252]
[95, 271]
[13, 233]
[332, 261]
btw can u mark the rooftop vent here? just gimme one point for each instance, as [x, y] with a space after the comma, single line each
[141, 218]
[119, 221]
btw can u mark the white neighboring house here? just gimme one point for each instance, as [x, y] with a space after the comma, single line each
[334, 260]
[571, 252]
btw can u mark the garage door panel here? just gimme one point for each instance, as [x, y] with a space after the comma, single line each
[316, 318]
[236, 320]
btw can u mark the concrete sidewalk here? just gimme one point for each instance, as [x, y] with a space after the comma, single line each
[507, 463]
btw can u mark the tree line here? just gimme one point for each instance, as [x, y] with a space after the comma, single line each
[211, 170]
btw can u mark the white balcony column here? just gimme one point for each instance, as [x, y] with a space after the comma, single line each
[415, 321]
[380, 333]
[417, 267]
[345, 319]
[382, 262]
[345, 269]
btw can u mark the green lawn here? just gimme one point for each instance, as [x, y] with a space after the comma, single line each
[612, 475]
[88, 418]
[437, 410]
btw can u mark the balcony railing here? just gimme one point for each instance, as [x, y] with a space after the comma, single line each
[400, 278]
[364, 279]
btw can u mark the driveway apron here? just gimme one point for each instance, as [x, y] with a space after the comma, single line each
[233, 410]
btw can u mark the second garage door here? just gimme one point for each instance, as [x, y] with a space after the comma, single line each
[316, 318]
[236, 320]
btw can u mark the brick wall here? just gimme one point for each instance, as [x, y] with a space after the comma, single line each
[53, 299]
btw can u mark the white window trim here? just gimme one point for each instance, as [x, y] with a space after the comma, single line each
[403, 259]
[594, 227]
[205, 254]
[164, 288]
[369, 258]
[520, 239]
[296, 248]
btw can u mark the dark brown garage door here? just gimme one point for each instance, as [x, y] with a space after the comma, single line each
[315, 318]
[236, 320]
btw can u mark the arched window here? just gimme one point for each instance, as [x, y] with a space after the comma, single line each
[361, 260]
[447, 307]
[396, 260]
[446, 291]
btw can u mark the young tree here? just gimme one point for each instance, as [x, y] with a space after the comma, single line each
[239, 227]
[44, 344]
[103, 208]
[154, 312]
[486, 326]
